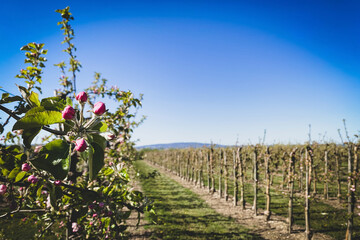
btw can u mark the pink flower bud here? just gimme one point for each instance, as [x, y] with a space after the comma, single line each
[94, 215]
[37, 149]
[57, 182]
[25, 167]
[68, 113]
[81, 97]
[32, 179]
[101, 204]
[99, 108]
[80, 145]
[2, 189]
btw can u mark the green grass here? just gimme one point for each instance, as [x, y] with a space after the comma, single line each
[323, 217]
[182, 215]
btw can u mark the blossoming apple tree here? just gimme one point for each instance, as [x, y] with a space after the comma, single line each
[77, 181]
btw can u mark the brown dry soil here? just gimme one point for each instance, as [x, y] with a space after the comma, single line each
[275, 229]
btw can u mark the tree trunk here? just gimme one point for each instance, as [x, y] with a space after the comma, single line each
[221, 155]
[326, 184]
[301, 163]
[283, 171]
[351, 195]
[242, 180]
[255, 175]
[338, 180]
[315, 181]
[267, 176]
[208, 170]
[235, 179]
[291, 187]
[226, 190]
[212, 170]
[308, 162]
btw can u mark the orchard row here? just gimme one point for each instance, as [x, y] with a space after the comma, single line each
[305, 173]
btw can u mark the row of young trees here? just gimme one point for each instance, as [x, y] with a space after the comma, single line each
[295, 170]
[75, 184]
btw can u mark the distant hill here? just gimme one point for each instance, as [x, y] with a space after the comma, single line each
[177, 145]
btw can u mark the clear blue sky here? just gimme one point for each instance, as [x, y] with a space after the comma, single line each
[209, 70]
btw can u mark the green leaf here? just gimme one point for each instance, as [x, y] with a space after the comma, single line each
[20, 176]
[100, 140]
[97, 160]
[24, 92]
[38, 192]
[34, 99]
[53, 103]
[54, 158]
[101, 127]
[69, 101]
[14, 173]
[29, 134]
[108, 171]
[38, 119]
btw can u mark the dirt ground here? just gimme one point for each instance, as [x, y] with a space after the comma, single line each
[274, 229]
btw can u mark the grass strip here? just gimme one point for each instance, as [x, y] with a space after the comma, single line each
[181, 214]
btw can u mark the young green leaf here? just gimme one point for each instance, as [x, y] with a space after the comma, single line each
[38, 119]
[54, 158]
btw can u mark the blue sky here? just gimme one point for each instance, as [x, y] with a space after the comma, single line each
[209, 70]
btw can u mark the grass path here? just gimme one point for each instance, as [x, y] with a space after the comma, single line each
[182, 215]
